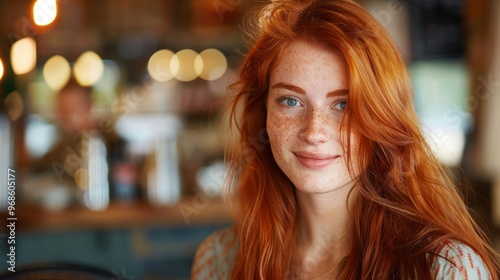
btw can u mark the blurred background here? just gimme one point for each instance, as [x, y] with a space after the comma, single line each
[110, 116]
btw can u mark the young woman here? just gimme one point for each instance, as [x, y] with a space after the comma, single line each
[331, 177]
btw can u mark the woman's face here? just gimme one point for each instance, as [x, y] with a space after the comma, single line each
[308, 93]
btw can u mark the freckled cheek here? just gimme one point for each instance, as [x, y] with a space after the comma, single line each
[280, 136]
[282, 129]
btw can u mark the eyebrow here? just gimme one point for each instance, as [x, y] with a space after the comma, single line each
[299, 90]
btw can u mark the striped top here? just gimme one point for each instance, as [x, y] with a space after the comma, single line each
[459, 261]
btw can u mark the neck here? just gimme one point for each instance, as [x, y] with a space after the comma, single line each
[325, 222]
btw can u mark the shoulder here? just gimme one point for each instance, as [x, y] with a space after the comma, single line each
[214, 256]
[459, 261]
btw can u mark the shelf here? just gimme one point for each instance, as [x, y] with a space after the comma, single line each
[189, 211]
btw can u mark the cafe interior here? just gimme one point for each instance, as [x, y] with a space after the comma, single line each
[112, 124]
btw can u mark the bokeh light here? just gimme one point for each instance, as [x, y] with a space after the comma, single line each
[1, 69]
[44, 12]
[82, 178]
[182, 65]
[14, 105]
[214, 64]
[23, 55]
[56, 72]
[159, 66]
[88, 69]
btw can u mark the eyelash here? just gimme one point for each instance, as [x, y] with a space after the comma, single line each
[341, 101]
[284, 98]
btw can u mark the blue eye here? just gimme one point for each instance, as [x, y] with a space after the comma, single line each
[289, 101]
[341, 105]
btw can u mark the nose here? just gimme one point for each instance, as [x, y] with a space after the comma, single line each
[316, 128]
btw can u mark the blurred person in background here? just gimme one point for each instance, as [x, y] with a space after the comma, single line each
[331, 176]
[76, 126]
[72, 116]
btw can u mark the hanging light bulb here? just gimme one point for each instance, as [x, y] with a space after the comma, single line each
[1, 69]
[44, 12]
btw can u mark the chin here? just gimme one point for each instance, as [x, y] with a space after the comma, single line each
[312, 189]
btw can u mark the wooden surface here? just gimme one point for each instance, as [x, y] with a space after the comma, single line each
[190, 211]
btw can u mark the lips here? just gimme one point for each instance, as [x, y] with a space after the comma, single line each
[313, 160]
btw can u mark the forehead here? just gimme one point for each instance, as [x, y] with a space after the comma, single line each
[303, 60]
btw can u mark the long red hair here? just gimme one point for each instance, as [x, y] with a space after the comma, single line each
[407, 206]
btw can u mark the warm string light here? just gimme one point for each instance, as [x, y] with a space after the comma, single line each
[44, 12]
[183, 65]
[214, 64]
[187, 65]
[23, 56]
[88, 69]
[1, 69]
[159, 66]
[56, 72]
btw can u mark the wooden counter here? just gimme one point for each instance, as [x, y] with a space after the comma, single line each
[189, 211]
